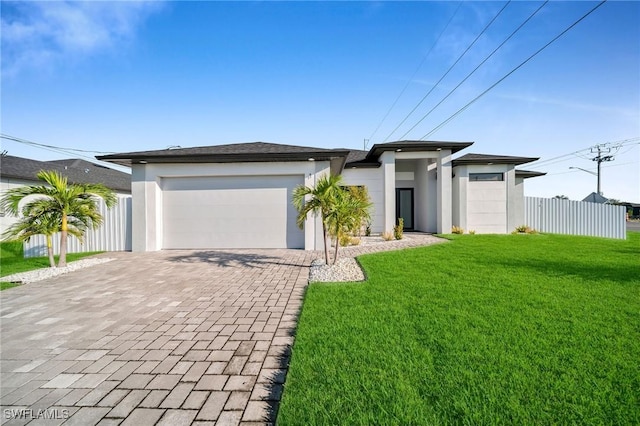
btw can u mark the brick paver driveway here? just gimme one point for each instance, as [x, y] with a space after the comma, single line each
[171, 338]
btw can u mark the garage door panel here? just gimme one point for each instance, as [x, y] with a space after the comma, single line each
[230, 212]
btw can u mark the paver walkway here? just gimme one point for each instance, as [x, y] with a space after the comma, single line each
[167, 338]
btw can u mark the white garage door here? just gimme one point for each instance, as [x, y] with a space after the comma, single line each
[487, 207]
[230, 212]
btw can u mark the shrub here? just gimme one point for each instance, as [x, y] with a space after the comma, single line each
[367, 231]
[472, 231]
[524, 229]
[457, 230]
[344, 240]
[354, 241]
[398, 229]
[387, 236]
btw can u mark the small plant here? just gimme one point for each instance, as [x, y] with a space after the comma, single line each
[354, 241]
[387, 236]
[457, 230]
[367, 231]
[344, 240]
[472, 231]
[524, 229]
[398, 229]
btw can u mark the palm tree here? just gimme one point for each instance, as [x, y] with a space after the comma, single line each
[33, 222]
[319, 200]
[350, 210]
[72, 204]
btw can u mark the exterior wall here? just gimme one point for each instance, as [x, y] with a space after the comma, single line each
[388, 160]
[444, 176]
[147, 193]
[516, 205]
[422, 199]
[371, 178]
[487, 207]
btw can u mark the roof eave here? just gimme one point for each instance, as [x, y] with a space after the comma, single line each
[513, 160]
[378, 149]
[526, 174]
[226, 158]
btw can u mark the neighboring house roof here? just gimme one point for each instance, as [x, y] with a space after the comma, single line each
[491, 159]
[76, 170]
[594, 197]
[528, 174]
[358, 159]
[231, 153]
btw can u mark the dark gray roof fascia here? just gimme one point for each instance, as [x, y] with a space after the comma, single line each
[491, 159]
[525, 174]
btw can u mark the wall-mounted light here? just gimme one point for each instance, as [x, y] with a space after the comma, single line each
[311, 159]
[142, 162]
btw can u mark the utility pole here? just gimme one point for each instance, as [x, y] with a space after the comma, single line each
[603, 154]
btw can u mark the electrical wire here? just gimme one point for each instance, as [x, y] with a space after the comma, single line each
[449, 70]
[475, 69]
[454, 115]
[59, 150]
[455, 13]
[623, 142]
[26, 142]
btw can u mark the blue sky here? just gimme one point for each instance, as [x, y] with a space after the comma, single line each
[128, 76]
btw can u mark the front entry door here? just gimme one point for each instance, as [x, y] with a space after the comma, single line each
[404, 207]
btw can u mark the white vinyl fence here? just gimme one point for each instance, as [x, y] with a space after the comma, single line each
[575, 217]
[113, 235]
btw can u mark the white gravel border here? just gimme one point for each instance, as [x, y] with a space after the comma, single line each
[347, 268]
[44, 273]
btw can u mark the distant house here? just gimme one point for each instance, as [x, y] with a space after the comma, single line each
[17, 171]
[239, 195]
[594, 197]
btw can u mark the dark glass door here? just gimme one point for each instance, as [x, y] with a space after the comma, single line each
[404, 207]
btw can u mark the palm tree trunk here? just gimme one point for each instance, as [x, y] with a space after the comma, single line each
[335, 254]
[326, 248]
[52, 261]
[62, 262]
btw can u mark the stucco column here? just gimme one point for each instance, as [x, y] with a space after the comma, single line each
[421, 195]
[388, 161]
[444, 191]
[515, 200]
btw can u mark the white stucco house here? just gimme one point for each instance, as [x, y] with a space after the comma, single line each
[239, 195]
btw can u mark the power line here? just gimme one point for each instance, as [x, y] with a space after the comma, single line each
[455, 13]
[449, 70]
[59, 150]
[454, 115]
[475, 69]
[550, 161]
[26, 142]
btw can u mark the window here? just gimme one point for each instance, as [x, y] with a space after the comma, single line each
[486, 177]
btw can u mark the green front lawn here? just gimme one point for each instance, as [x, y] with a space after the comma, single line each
[13, 262]
[513, 329]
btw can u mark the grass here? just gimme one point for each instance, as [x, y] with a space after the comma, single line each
[513, 329]
[13, 262]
